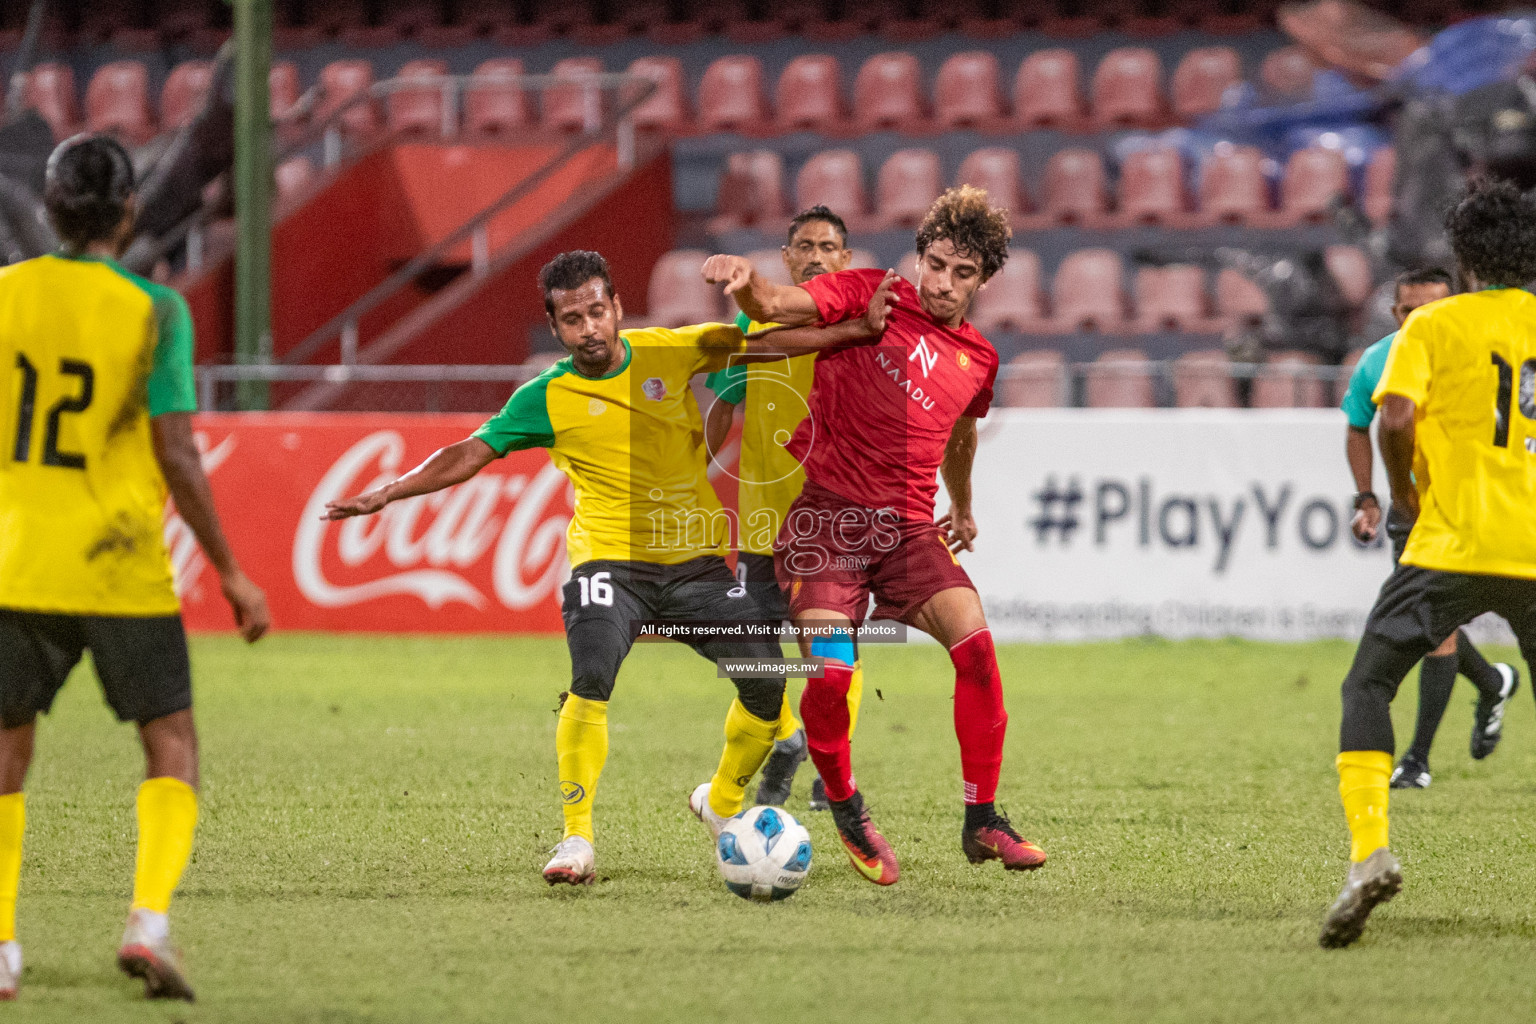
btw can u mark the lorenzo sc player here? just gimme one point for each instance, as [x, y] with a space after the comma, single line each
[96, 426]
[1496, 684]
[1458, 436]
[647, 540]
[885, 418]
[776, 394]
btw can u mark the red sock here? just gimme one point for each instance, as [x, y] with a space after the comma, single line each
[980, 721]
[824, 710]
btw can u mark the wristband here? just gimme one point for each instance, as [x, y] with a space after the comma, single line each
[1363, 497]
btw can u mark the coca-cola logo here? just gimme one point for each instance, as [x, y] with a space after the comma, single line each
[187, 559]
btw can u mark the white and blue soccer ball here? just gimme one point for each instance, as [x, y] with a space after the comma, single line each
[764, 854]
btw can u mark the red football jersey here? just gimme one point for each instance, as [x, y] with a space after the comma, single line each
[882, 413]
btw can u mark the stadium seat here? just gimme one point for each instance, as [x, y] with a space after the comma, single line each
[906, 186]
[1074, 190]
[1238, 300]
[183, 93]
[1011, 300]
[731, 96]
[51, 92]
[770, 264]
[678, 294]
[293, 176]
[1380, 181]
[1172, 299]
[751, 191]
[997, 171]
[574, 107]
[863, 259]
[1088, 292]
[117, 102]
[1152, 188]
[833, 178]
[1035, 380]
[1351, 269]
[666, 110]
[809, 95]
[1120, 378]
[1048, 92]
[418, 111]
[496, 104]
[1284, 383]
[1127, 90]
[1202, 380]
[887, 95]
[1286, 73]
[283, 88]
[967, 93]
[1233, 189]
[340, 81]
[1201, 78]
[1314, 178]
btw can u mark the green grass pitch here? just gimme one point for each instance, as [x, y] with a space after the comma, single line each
[376, 811]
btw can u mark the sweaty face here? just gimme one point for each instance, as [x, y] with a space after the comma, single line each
[1411, 296]
[947, 281]
[815, 248]
[586, 320]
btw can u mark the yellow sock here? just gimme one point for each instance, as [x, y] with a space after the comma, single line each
[748, 739]
[788, 723]
[13, 822]
[581, 745]
[855, 696]
[1363, 778]
[167, 818]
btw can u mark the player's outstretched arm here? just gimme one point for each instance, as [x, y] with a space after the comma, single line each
[443, 468]
[1397, 438]
[958, 524]
[798, 341]
[758, 297]
[182, 466]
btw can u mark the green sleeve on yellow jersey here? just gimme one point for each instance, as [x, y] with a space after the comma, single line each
[730, 384]
[524, 421]
[171, 384]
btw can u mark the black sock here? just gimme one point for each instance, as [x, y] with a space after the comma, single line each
[977, 815]
[1437, 674]
[1471, 663]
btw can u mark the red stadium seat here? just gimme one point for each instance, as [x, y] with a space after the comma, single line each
[731, 96]
[1088, 292]
[496, 104]
[340, 81]
[770, 264]
[751, 191]
[51, 92]
[185, 89]
[1314, 178]
[1233, 189]
[887, 95]
[1152, 188]
[294, 176]
[678, 293]
[418, 111]
[1287, 73]
[1202, 77]
[1128, 90]
[908, 183]
[1035, 380]
[574, 107]
[833, 178]
[1283, 382]
[1203, 380]
[1238, 300]
[1011, 300]
[1120, 379]
[283, 88]
[1351, 269]
[1380, 182]
[1074, 190]
[997, 171]
[117, 102]
[1048, 91]
[1172, 299]
[809, 95]
[666, 110]
[967, 93]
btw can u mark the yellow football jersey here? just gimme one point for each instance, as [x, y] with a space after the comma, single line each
[1469, 364]
[632, 444]
[92, 352]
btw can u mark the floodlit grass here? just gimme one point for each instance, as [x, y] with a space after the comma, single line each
[376, 811]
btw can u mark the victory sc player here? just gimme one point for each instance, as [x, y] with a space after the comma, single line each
[1458, 436]
[95, 425]
[647, 540]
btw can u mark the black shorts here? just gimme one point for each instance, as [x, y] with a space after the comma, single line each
[142, 663]
[756, 573]
[1421, 607]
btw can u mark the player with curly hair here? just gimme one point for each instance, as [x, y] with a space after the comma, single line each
[885, 420]
[1457, 436]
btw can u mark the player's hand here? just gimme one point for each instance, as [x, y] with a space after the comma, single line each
[959, 531]
[362, 505]
[248, 603]
[1366, 521]
[1406, 506]
[732, 271]
[880, 303]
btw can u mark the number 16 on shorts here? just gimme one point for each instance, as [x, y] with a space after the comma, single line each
[596, 589]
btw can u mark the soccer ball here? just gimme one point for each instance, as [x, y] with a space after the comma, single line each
[764, 854]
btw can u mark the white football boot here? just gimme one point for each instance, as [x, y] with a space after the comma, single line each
[698, 803]
[147, 953]
[10, 969]
[574, 863]
[1369, 884]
